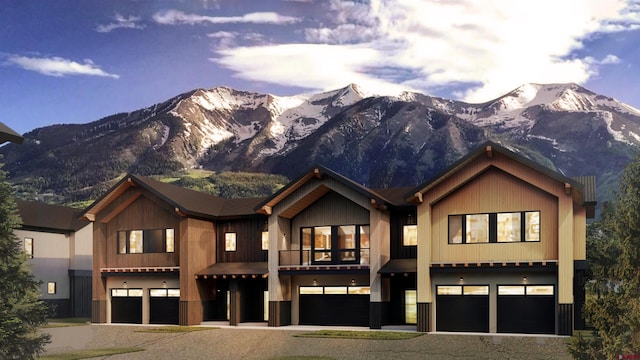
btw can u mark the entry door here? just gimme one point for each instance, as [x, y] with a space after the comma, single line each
[462, 308]
[126, 306]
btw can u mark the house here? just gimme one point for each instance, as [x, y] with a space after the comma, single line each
[329, 237]
[59, 247]
[495, 243]
[501, 246]
[169, 255]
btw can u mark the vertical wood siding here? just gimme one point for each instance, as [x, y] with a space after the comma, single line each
[495, 191]
[248, 240]
[142, 214]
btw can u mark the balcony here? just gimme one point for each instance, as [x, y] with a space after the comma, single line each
[319, 257]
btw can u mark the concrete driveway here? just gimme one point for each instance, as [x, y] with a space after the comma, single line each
[246, 342]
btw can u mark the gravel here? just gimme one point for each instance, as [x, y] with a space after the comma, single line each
[277, 343]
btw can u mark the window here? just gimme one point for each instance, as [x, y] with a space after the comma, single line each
[529, 290]
[410, 307]
[265, 240]
[230, 241]
[344, 244]
[28, 247]
[462, 290]
[410, 235]
[335, 290]
[505, 227]
[123, 292]
[164, 292]
[51, 287]
[146, 241]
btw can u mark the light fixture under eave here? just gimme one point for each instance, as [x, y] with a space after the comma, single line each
[461, 278]
[164, 284]
[524, 278]
[353, 281]
[124, 284]
[315, 282]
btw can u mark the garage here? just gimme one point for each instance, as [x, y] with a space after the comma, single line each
[334, 305]
[462, 308]
[527, 309]
[164, 306]
[126, 306]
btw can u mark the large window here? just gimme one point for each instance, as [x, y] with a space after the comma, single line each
[265, 240]
[146, 241]
[346, 244]
[494, 227]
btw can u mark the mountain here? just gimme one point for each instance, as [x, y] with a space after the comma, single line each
[379, 141]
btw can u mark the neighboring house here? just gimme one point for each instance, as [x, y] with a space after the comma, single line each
[59, 246]
[496, 243]
[165, 254]
[8, 134]
[501, 246]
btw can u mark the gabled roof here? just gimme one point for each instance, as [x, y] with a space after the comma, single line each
[185, 201]
[7, 134]
[487, 149]
[51, 218]
[319, 172]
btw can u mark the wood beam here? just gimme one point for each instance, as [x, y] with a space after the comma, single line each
[489, 151]
[418, 197]
[317, 173]
[567, 188]
[266, 210]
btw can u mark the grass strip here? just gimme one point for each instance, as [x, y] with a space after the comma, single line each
[303, 358]
[365, 335]
[65, 322]
[174, 329]
[88, 354]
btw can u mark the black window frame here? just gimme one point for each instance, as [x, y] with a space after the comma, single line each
[149, 246]
[493, 228]
[335, 251]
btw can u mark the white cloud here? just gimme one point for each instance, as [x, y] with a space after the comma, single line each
[493, 45]
[121, 22]
[59, 67]
[175, 17]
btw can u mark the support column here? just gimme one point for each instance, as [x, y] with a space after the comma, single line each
[423, 277]
[565, 264]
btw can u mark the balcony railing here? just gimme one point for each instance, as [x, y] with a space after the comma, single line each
[323, 257]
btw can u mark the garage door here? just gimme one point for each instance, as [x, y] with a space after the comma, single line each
[164, 306]
[462, 308]
[528, 309]
[126, 306]
[334, 305]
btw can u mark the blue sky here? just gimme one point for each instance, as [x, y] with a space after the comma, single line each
[76, 61]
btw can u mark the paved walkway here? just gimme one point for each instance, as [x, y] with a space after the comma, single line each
[253, 341]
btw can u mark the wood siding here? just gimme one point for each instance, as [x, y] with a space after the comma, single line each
[398, 220]
[143, 214]
[196, 253]
[248, 240]
[490, 192]
[332, 209]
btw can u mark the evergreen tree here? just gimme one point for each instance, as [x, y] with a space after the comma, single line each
[21, 312]
[614, 250]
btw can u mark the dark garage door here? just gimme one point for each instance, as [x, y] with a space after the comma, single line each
[350, 308]
[526, 309]
[164, 306]
[462, 308]
[126, 306]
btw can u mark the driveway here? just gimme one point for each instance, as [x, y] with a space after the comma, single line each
[273, 343]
